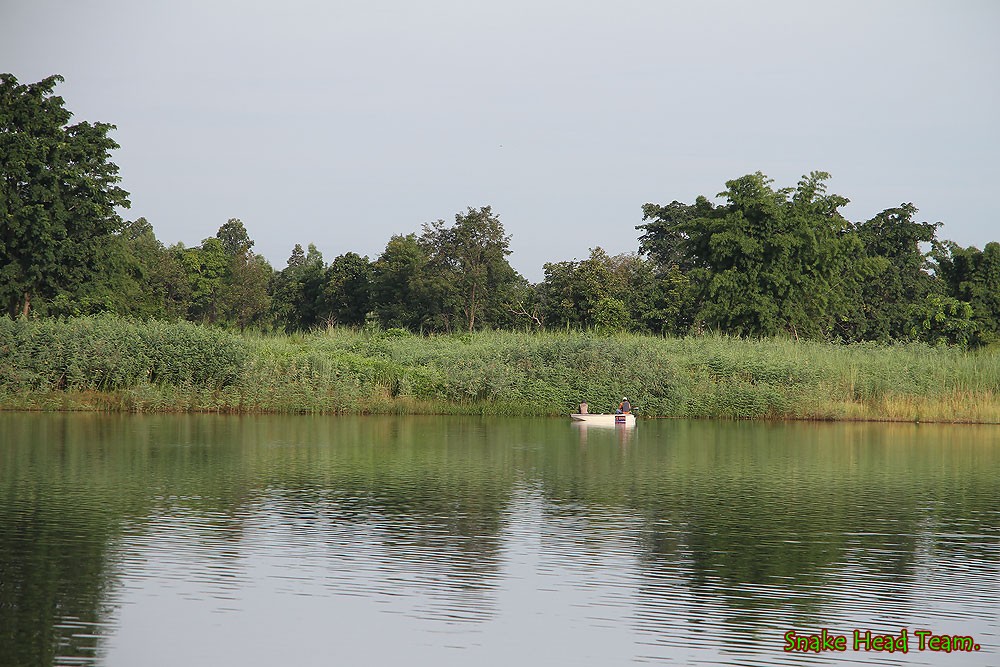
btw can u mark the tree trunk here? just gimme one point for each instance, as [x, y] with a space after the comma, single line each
[27, 304]
[472, 308]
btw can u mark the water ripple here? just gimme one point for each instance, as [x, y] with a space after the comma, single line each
[459, 544]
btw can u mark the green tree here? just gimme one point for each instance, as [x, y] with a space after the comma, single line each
[973, 276]
[243, 298]
[205, 268]
[142, 290]
[286, 290]
[142, 277]
[347, 289]
[235, 239]
[666, 236]
[560, 295]
[160, 273]
[525, 308]
[469, 269]
[297, 290]
[118, 287]
[942, 320]
[766, 262]
[600, 281]
[601, 291]
[138, 278]
[662, 300]
[668, 302]
[172, 275]
[896, 275]
[58, 195]
[400, 296]
[611, 315]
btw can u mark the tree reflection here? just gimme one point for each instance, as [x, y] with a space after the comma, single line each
[732, 523]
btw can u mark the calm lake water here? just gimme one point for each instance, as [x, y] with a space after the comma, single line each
[210, 540]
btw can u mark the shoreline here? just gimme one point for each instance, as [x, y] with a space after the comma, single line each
[125, 403]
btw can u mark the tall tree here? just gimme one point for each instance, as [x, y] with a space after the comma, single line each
[235, 239]
[560, 295]
[140, 278]
[897, 274]
[205, 267]
[668, 303]
[118, 286]
[346, 293]
[297, 290]
[600, 291]
[768, 261]
[143, 290]
[171, 272]
[470, 261]
[130, 281]
[58, 194]
[666, 236]
[285, 289]
[399, 286]
[243, 298]
[973, 276]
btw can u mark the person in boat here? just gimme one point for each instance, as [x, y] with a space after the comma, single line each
[624, 407]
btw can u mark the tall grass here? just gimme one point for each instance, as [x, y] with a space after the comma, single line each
[108, 353]
[115, 364]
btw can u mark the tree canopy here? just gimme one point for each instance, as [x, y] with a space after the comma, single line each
[59, 195]
[765, 262]
[468, 265]
[755, 260]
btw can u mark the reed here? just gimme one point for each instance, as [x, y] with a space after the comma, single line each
[107, 363]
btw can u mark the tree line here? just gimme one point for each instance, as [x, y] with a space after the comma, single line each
[762, 261]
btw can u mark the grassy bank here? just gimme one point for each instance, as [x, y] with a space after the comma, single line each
[107, 363]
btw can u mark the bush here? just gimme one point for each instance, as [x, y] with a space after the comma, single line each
[106, 353]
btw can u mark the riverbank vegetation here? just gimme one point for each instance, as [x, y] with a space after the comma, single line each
[110, 363]
[765, 303]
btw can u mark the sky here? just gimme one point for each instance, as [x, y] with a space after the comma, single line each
[344, 122]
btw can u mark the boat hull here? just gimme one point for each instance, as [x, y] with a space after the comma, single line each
[605, 419]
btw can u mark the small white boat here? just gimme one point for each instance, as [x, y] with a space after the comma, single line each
[604, 419]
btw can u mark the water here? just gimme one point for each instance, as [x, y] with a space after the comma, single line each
[211, 540]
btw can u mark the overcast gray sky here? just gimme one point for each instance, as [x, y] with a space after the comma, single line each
[343, 122]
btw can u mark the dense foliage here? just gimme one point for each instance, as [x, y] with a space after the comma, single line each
[58, 196]
[110, 362]
[761, 262]
[109, 353]
[786, 261]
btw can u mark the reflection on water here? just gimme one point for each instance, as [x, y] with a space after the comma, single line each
[614, 433]
[205, 540]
